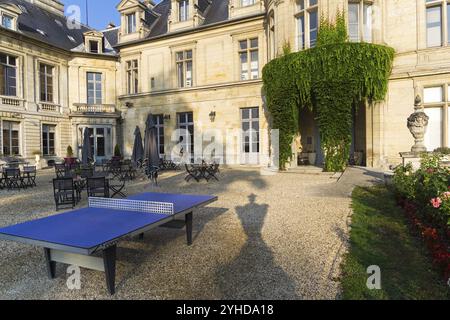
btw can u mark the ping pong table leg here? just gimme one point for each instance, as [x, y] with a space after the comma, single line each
[189, 228]
[109, 261]
[51, 265]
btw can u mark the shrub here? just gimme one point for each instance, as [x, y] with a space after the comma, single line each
[444, 151]
[427, 188]
[117, 152]
[69, 152]
[404, 182]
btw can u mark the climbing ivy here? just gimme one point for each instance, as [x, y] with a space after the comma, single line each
[328, 79]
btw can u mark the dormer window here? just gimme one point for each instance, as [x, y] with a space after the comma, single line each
[9, 13]
[241, 8]
[93, 46]
[7, 21]
[93, 42]
[131, 23]
[183, 10]
[246, 3]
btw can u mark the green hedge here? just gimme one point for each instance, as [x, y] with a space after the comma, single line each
[328, 79]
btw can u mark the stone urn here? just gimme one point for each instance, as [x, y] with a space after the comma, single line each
[417, 125]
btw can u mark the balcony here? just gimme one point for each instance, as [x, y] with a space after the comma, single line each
[84, 109]
[49, 107]
[11, 102]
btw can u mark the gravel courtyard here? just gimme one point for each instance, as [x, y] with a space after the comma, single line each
[268, 237]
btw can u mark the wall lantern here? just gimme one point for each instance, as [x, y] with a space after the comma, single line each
[129, 105]
[212, 116]
[167, 117]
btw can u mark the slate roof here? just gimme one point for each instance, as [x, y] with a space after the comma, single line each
[42, 25]
[213, 10]
[56, 32]
[112, 35]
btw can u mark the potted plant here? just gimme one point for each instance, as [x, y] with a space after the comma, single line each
[117, 153]
[69, 159]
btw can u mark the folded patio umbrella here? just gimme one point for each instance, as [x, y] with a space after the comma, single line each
[86, 151]
[138, 148]
[150, 142]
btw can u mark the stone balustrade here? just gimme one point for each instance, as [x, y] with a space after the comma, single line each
[83, 108]
[11, 101]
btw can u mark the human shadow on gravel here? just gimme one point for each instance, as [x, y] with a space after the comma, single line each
[136, 251]
[253, 274]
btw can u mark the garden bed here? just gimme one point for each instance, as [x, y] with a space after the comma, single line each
[381, 236]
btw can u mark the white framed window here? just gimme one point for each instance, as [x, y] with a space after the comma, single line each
[437, 107]
[94, 88]
[7, 21]
[48, 139]
[11, 138]
[184, 65]
[46, 82]
[132, 71]
[8, 75]
[437, 23]
[159, 124]
[131, 22]
[307, 20]
[249, 59]
[360, 20]
[185, 122]
[183, 10]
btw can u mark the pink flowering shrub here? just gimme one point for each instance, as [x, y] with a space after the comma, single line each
[425, 197]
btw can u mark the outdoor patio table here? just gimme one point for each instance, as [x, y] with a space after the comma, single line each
[29, 177]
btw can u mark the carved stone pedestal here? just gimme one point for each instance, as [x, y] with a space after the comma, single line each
[411, 157]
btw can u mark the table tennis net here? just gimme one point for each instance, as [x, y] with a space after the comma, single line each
[132, 205]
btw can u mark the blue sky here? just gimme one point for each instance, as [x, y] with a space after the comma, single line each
[101, 12]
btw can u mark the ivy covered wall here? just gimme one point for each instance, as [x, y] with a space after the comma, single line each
[328, 79]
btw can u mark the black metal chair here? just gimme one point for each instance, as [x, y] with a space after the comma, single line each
[13, 179]
[152, 172]
[87, 172]
[29, 176]
[98, 187]
[2, 179]
[115, 168]
[64, 192]
[212, 171]
[60, 170]
[192, 173]
[117, 185]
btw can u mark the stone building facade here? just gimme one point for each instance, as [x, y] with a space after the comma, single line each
[197, 65]
[47, 65]
[418, 31]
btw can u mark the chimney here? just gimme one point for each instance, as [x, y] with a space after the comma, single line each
[53, 6]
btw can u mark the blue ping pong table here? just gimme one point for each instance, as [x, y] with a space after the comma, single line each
[88, 237]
